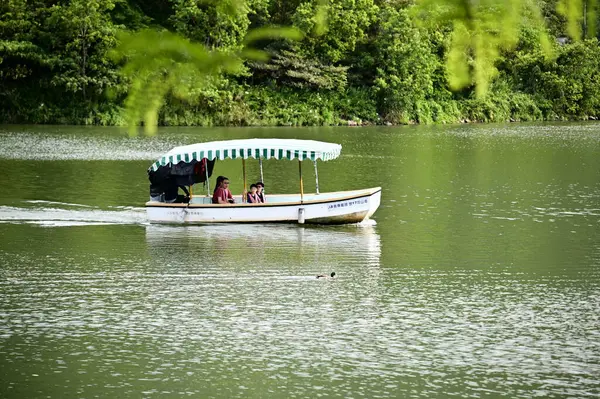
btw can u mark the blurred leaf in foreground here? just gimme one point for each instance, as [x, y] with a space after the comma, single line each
[481, 30]
[161, 63]
[580, 14]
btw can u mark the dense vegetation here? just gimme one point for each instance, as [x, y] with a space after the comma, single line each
[373, 61]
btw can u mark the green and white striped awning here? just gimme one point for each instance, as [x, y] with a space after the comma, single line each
[251, 148]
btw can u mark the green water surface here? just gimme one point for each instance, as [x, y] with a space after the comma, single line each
[479, 277]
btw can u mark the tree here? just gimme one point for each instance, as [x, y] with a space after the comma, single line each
[162, 63]
[581, 15]
[211, 23]
[287, 68]
[83, 33]
[481, 30]
[405, 65]
[24, 64]
[346, 26]
[54, 59]
[565, 87]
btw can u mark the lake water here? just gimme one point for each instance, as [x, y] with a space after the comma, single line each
[479, 276]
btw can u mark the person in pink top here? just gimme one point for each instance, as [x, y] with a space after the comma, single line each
[222, 195]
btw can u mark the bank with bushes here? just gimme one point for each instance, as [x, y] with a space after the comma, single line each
[375, 64]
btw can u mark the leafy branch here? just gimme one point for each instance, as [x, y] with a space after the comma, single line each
[162, 63]
[481, 30]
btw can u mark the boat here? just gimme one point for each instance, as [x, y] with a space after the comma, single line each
[194, 163]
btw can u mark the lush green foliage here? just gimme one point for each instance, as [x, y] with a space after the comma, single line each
[228, 62]
[480, 31]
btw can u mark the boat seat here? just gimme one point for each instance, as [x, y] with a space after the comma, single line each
[201, 199]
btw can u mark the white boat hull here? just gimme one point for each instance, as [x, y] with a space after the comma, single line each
[325, 208]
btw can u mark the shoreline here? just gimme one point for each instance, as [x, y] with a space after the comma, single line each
[344, 123]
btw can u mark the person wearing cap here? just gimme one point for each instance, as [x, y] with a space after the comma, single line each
[260, 193]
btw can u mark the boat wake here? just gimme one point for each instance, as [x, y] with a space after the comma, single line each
[366, 223]
[59, 214]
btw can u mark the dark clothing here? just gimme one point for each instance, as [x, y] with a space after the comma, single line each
[200, 169]
[171, 188]
[165, 181]
[156, 190]
[253, 198]
[171, 191]
[182, 169]
[261, 197]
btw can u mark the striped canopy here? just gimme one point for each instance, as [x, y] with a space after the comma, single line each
[251, 148]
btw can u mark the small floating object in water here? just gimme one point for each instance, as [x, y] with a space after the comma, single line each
[332, 275]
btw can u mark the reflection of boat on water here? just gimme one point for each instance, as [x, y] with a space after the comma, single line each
[359, 243]
[193, 163]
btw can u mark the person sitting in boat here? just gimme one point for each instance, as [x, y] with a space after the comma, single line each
[172, 193]
[222, 194]
[158, 181]
[218, 184]
[261, 195]
[253, 197]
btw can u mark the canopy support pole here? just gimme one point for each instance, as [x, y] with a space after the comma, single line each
[261, 173]
[301, 183]
[316, 175]
[244, 174]
[207, 181]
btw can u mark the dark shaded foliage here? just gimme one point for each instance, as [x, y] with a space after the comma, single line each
[372, 62]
